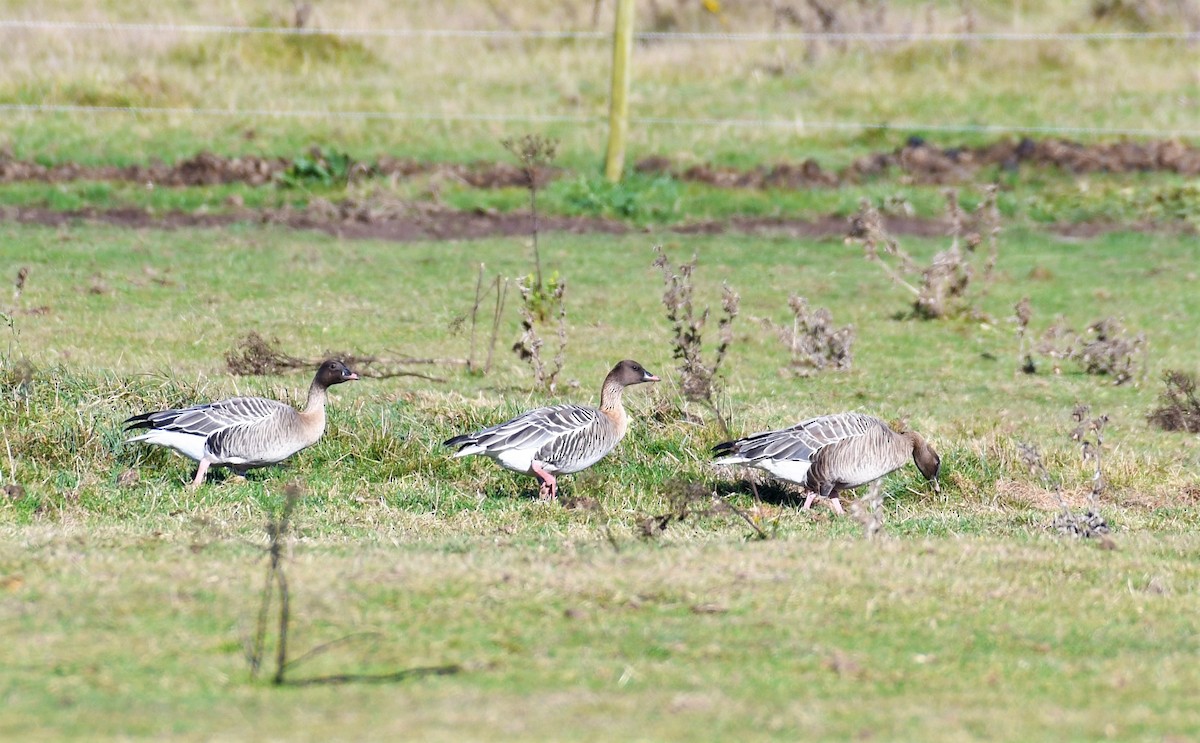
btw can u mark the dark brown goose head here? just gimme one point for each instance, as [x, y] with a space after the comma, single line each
[926, 459]
[629, 372]
[333, 372]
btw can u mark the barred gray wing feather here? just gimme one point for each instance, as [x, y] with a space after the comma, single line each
[533, 430]
[209, 418]
[803, 441]
[257, 439]
[581, 447]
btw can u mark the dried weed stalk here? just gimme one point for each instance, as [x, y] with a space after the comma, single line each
[277, 527]
[697, 378]
[536, 154]
[1178, 407]
[945, 284]
[693, 499]
[868, 510]
[255, 355]
[814, 343]
[1088, 433]
[1106, 349]
[1023, 313]
[529, 346]
[498, 285]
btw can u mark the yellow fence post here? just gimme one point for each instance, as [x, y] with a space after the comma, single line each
[618, 112]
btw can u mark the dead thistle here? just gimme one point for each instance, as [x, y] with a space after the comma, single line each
[1178, 407]
[529, 346]
[1107, 350]
[945, 283]
[1088, 433]
[812, 340]
[535, 153]
[697, 379]
[1023, 313]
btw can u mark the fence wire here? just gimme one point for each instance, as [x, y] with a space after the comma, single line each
[580, 35]
[798, 125]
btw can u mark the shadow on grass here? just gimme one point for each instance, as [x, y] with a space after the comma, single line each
[338, 679]
[769, 491]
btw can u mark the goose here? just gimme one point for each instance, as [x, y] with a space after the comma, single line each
[242, 432]
[832, 453]
[560, 439]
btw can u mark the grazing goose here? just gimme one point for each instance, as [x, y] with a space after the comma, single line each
[561, 439]
[832, 453]
[242, 432]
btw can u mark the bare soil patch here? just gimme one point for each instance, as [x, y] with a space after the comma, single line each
[353, 220]
[920, 162]
[916, 161]
[207, 169]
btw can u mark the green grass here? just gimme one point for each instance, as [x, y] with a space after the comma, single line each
[1035, 197]
[125, 607]
[139, 636]
[132, 602]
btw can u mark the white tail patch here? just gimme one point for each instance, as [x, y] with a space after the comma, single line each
[792, 470]
[188, 444]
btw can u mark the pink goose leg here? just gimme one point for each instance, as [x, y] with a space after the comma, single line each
[201, 471]
[549, 487]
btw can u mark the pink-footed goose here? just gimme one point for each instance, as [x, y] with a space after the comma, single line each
[242, 432]
[832, 453]
[560, 439]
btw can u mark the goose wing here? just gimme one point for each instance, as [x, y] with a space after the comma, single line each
[528, 432]
[209, 418]
[801, 442]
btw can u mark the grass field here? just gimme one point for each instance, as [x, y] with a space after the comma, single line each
[127, 602]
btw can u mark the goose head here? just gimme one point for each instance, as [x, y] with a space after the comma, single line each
[926, 459]
[333, 372]
[630, 372]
